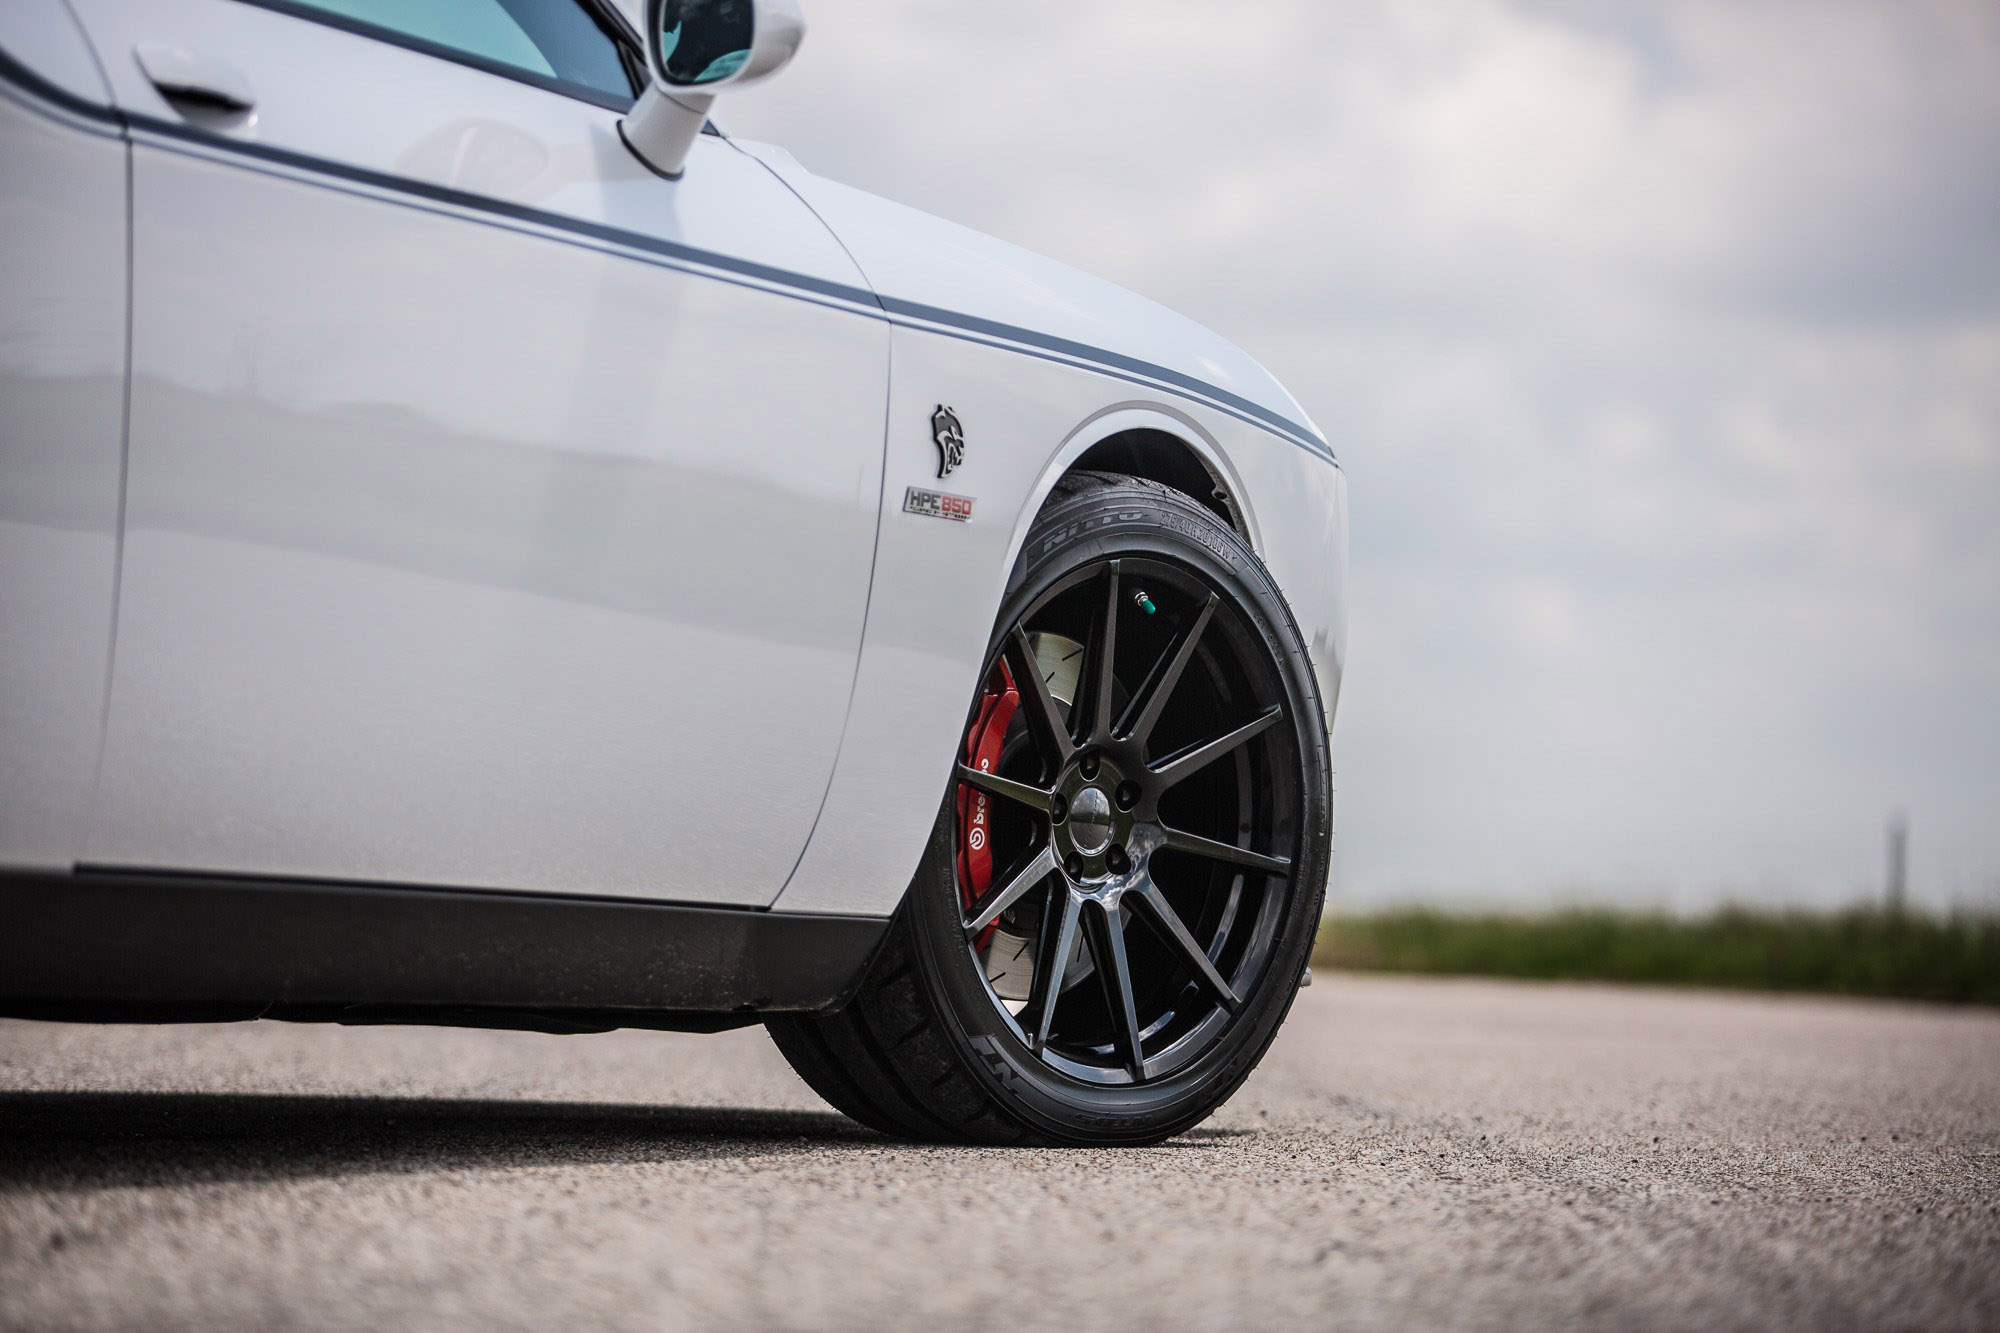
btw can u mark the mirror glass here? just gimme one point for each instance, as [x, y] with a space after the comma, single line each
[701, 41]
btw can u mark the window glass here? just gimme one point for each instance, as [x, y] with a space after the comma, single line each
[553, 38]
[573, 43]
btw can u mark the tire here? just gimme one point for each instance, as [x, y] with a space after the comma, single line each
[1163, 830]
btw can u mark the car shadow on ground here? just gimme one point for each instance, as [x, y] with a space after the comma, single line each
[65, 1141]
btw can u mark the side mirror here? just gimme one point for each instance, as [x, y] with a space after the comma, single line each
[696, 48]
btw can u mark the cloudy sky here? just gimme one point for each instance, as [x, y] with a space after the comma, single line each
[1661, 345]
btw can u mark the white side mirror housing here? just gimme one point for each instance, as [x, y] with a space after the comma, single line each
[696, 48]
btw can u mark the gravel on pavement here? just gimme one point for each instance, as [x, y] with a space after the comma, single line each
[1452, 1153]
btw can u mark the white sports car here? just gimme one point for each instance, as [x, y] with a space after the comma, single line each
[479, 545]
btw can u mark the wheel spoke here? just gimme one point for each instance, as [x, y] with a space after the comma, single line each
[1105, 932]
[1190, 762]
[988, 909]
[1162, 914]
[1143, 712]
[1071, 880]
[1035, 798]
[1225, 851]
[1044, 713]
[1103, 655]
[1058, 937]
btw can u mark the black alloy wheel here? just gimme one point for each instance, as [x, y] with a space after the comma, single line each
[1124, 882]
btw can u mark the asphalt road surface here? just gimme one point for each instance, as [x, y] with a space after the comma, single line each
[1443, 1153]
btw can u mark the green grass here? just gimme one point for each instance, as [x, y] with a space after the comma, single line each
[1860, 952]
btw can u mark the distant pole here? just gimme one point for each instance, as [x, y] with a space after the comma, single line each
[1899, 861]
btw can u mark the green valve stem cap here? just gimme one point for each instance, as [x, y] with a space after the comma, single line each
[1143, 602]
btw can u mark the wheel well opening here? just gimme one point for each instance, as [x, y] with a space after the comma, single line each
[1158, 456]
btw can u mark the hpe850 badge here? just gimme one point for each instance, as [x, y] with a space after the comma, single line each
[936, 504]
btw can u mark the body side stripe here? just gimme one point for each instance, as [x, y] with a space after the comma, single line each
[520, 213]
[27, 81]
[1136, 369]
[911, 314]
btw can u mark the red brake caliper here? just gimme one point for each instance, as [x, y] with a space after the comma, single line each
[997, 703]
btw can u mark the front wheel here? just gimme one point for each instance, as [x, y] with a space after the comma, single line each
[1123, 884]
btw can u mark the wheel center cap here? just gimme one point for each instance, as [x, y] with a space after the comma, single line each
[1090, 820]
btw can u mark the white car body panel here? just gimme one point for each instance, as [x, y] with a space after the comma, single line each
[499, 514]
[62, 389]
[465, 550]
[44, 37]
[1020, 348]
[934, 273]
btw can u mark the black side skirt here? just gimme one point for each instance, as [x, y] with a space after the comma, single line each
[110, 946]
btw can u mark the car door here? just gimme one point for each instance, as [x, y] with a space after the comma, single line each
[498, 512]
[62, 397]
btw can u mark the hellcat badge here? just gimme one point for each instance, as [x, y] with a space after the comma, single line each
[950, 438]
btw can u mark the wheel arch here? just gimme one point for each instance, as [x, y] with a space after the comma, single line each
[1150, 442]
[1162, 456]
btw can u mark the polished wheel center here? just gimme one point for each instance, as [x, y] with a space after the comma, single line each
[1090, 820]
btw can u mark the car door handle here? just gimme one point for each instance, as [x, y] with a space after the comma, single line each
[203, 90]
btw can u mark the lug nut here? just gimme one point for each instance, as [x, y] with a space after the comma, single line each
[1088, 767]
[1058, 809]
[1127, 795]
[1116, 860]
[1073, 867]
